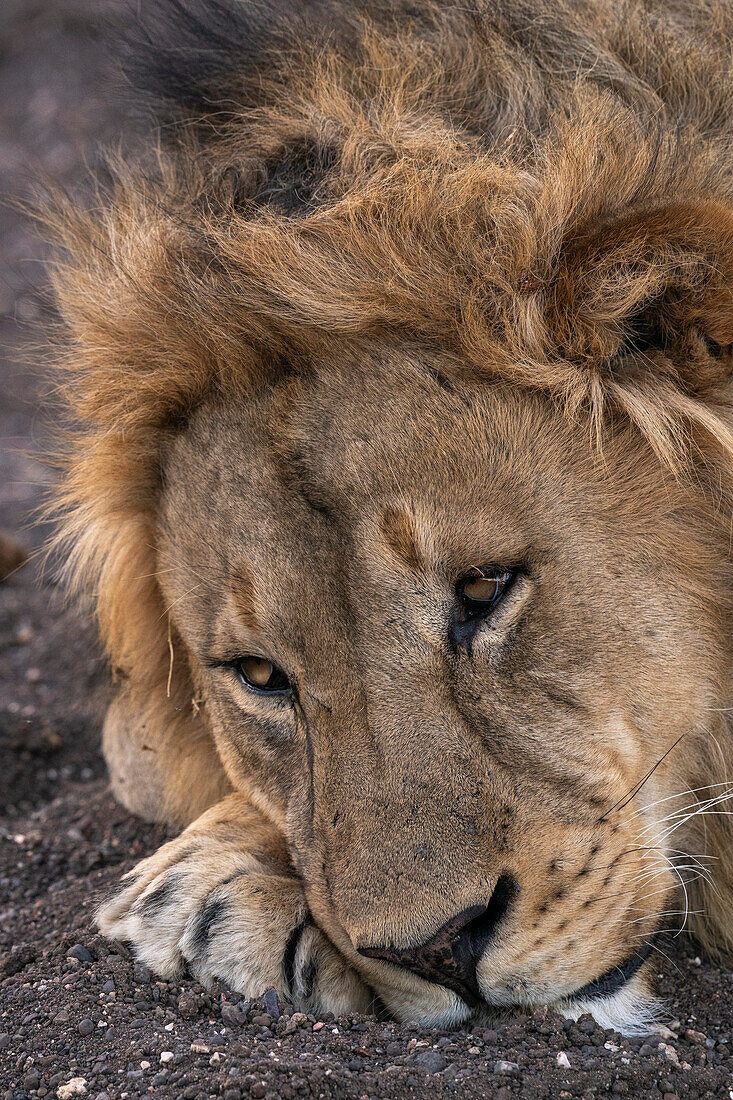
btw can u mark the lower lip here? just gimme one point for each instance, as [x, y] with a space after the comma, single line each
[615, 978]
[605, 986]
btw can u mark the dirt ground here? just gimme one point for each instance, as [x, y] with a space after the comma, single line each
[78, 1016]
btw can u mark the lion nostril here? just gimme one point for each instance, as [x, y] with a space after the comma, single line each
[450, 957]
[478, 930]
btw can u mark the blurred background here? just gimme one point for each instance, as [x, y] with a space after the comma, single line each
[56, 109]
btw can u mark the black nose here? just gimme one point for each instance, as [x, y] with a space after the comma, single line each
[450, 957]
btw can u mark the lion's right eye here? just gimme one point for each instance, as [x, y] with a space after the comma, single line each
[483, 588]
[261, 675]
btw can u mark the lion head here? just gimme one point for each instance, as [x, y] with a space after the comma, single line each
[404, 471]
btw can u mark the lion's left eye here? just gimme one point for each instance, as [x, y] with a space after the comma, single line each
[483, 588]
[261, 675]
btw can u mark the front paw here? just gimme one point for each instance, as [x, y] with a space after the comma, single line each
[211, 907]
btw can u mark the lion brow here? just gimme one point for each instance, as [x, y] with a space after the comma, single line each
[244, 595]
[296, 476]
[398, 529]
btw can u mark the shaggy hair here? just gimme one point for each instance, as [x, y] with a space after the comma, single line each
[542, 187]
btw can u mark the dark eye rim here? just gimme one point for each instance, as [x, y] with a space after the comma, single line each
[234, 665]
[477, 609]
[282, 687]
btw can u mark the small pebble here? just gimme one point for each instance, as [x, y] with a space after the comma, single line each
[140, 974]
[430, 1060]
[85, 1026]
[271, 1004]
[79, 951]
[166, 1056]
[562, 1059]
[505, 1067]
[188, 1004]
[231, 1015]
[262, 1020]
[669, 1054]
[295, 1021]
[77, 1086]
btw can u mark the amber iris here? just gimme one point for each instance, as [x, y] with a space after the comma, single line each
[485, 587]
[258, 673]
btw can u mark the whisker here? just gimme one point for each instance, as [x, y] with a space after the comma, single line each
[699, 804]
[705, 810]
[624, 801]
[185, 596]
[654, 947]
[667, 913]
[668, 798]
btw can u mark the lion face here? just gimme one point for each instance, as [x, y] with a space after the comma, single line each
[442, 638]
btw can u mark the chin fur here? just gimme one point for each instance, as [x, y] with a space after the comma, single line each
[631, 1010]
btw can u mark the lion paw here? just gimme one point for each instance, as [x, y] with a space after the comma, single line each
[218, 911]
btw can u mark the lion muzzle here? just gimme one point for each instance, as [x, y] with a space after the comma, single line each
[451, 956]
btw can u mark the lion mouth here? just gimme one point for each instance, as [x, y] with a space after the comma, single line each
[586, 997]
[462, 979]
[451, 958]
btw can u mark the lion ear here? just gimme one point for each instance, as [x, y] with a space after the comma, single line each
[652, 292]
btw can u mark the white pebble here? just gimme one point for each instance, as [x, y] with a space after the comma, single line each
[563, 1060]
[166, 1056]
[77, 1086]
[502, 1066]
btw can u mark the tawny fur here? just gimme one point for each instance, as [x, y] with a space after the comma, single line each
[525, 190]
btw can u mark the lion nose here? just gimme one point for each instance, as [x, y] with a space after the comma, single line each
[451, 956]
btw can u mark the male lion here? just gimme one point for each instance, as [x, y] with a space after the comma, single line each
[401, 479]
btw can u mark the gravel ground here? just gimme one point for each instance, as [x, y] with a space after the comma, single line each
[78, 1016]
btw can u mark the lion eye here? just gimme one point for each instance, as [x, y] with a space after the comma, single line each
[261, 675]
[483, 588]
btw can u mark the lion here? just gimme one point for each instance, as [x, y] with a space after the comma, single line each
[398, 365]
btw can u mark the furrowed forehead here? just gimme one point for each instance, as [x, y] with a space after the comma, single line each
[240, 544]
[226, 486]
[379, 423]
[375, 429]
[308, 461]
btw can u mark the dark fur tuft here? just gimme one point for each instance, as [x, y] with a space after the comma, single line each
[199, 59]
